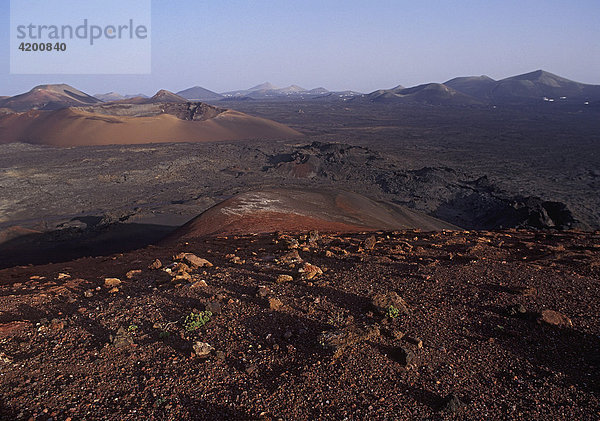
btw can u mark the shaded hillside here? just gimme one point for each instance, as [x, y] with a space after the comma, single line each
[529, 88]
[48, 97]
[198, 93]
[479, 87]
[536, 86]
[431, 93]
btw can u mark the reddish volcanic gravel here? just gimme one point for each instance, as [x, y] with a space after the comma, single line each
[472, 338]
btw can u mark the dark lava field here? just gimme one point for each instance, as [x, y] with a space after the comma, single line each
[474, 167]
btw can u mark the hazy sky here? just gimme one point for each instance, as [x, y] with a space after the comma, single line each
[346, 44]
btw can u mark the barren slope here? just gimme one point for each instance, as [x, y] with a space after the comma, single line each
[74, 127]
[469, 340]
[292, 210]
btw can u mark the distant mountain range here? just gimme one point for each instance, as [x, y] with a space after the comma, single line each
[268, 91]
[263, 91]
[529, 88]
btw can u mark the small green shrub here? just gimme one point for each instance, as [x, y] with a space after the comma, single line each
[132, 328]
[195, 321]
[392, 312]
[337, 318]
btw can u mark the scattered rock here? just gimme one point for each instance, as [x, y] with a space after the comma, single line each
[162, 277]
[383, 303]
[112, 282]
[88, 293]
[155, 265]
[284, 278]
[309, 271]
[179, 272]
[122, 339]
[180, 267]
[251, 369]
[369, 243]
[199, 284]
[524, 291]
[5, 358]
[403, 356]
[220, 356]
[63, 276]
[397, 334]
[263, 291]
[202, 349]
[192, 260]
[214, 307]
[235, 259]
[181, 276]
[516, 310]
[289, 242]
[340, 339]
[266, 416]
[291, 257]
[451, 404]
[554, 318]
[133, 274]
[56, 324]
[313, 237]
[275, 303]
[415, 341]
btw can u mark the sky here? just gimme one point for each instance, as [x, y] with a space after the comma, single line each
[343, 44]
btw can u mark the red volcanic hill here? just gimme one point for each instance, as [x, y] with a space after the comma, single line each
[296, 210]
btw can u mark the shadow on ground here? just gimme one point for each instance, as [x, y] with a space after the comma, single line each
[72, 243]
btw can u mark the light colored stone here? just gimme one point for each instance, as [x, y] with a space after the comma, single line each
[155, 265]
[112, 282]
[554, 318]
[202, 349]
[133, 273]
[309, 271]
[199, 284]
[194, 261]
[275, 303]
[284, 278]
